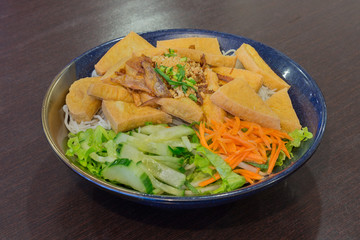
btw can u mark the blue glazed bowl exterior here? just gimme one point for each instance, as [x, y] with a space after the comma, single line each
[306, 97]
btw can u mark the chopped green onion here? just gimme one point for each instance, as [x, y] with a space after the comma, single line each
[193, 97]
[181, 73]
[171, 53]
[169, 70]
[244, 129]
[191, 80]
[162, 68]
[189, 83]
[183, 59]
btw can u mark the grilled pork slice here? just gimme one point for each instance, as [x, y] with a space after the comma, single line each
[280, 103]
[154, 82]
[239, 99]
[82, 106]
[183, 108]
[125, 116]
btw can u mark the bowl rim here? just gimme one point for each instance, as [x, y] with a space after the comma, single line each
[166, 199]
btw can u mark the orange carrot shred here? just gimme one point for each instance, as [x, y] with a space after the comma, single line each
[252, 145]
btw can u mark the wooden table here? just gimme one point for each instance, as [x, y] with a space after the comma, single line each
[40, 198]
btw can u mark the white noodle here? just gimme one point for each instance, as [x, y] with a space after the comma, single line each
[94, 74]
[230, 52]
[265, 93]
[74, 127]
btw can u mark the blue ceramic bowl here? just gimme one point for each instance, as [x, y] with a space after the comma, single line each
[306, 97]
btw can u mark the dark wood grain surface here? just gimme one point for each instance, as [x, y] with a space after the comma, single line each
[40, 198]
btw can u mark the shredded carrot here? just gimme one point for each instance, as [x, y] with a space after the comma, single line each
[210, 180]
[240, 141]
[249, 174]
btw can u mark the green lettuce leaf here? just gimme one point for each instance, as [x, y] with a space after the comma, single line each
[96, 142]
[230, 180]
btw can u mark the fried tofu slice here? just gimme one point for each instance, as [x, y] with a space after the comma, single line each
[212, 111]
[183, 108]
[208, 45]
[239, 99]
[81, 105]
[132, 82]
[280, 103]
[112, 71]
[136, 97]
[147, 99]
[211, 79]
[122, 49]
[104, 91]
[252, 61]
[211, 59]
[125, 116]
[255, 80]
[151, 52]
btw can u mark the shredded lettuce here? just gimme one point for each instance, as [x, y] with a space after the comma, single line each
[298, 136]
[203, 164]
[92, 148]
[230, 180]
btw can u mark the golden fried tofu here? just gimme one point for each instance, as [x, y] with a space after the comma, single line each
[132, 82]
[122, 49]
[211, 79]
[125, 116]
[239, 99]
[151, 52]
[211, 59]
[183, 108]
[104, 91]
[212, 111]
[280, 103]
[208, 45]
[252, 61]
[147, 99]
[255, 80]
[117, 67]
[82, 106]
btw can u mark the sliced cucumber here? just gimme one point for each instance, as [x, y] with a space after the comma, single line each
[130, 152]
[164, 173]
[122, 138]
[102, 159]
[175, 132]
[139, 135]
[150, 147]
[160, 185]
[168, 159]
[126, 172]
[149, 129]
[180, 143]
